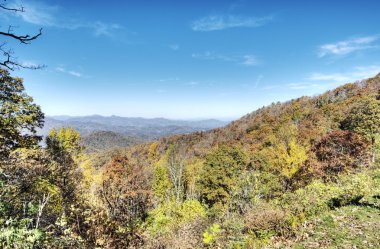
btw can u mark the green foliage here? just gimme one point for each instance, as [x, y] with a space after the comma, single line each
[364, 119]
[220, 174]
[19, 116]
[63, 141]
[162, 186]
[171, 215]
[211, 233]
[319, 197]
[13, 236]
[64, 148]
[346, 227]
[107, 140]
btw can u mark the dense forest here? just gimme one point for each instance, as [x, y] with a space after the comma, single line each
[299, 174]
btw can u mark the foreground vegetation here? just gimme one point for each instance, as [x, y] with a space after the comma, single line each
[301, 174]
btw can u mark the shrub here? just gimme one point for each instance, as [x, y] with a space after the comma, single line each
[340, 151]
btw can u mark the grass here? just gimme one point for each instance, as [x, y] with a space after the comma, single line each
[346, 227]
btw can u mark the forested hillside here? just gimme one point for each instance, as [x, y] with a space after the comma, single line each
[299, 174]
[107, 140]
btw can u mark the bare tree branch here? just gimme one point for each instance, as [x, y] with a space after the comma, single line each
[11, 63]
[8, 61]
[20, 9]
[25, 39]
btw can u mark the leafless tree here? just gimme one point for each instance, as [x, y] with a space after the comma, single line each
[176, 167]
[9, 61]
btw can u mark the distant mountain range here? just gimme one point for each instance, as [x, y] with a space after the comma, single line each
[114, 131]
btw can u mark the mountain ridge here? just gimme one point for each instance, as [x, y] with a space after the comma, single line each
[142, 129]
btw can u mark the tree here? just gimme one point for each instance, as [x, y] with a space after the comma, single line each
[9, 61]
[29, 200]
[64, 149]
[126, 193]
[220, 174]
[339, 151]
[176, 170]
[364, 119]
[284, 155]
[19, 116]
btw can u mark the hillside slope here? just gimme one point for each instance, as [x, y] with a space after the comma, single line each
[263, 177]
[107, 140]
[313, 116]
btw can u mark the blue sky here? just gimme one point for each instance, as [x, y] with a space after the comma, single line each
[191, 59]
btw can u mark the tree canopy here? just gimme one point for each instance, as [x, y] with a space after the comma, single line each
[20, 117]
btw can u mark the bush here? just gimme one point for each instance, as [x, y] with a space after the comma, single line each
[171, 216]
[340, 151]
[352, 189]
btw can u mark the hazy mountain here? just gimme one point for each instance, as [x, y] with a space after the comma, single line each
[105, 140]
[140, 128]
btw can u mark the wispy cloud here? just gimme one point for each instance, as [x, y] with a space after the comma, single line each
[174, 47]
[211, 56]
[323, 81]
[246, 60]
[101, 28]
[302, 85]
[220, 22]
[30, 64]
[192, 83]
[357, 73]
[44, 15]
[37, 13]
[169, 79]
[329, 77]
[69, 72]
[249, 60]
[258, 80]
[348, 46]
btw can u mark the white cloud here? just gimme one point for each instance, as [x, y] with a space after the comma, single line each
[328, 77]
[211, 56]
[302, 85]
[70, 72]
[192, 83]
[324, 81]
[220, 22]
[37, 13]
[348, 46]
[246, 60]
[30, 64]
[60, 69]
[48, 16]
[174, 47]
[74, 73]
[357, 73]
[249, 60]
[169, 79]
[258, 80]
[101, 28]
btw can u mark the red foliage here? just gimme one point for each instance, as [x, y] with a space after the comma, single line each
[340, 151]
